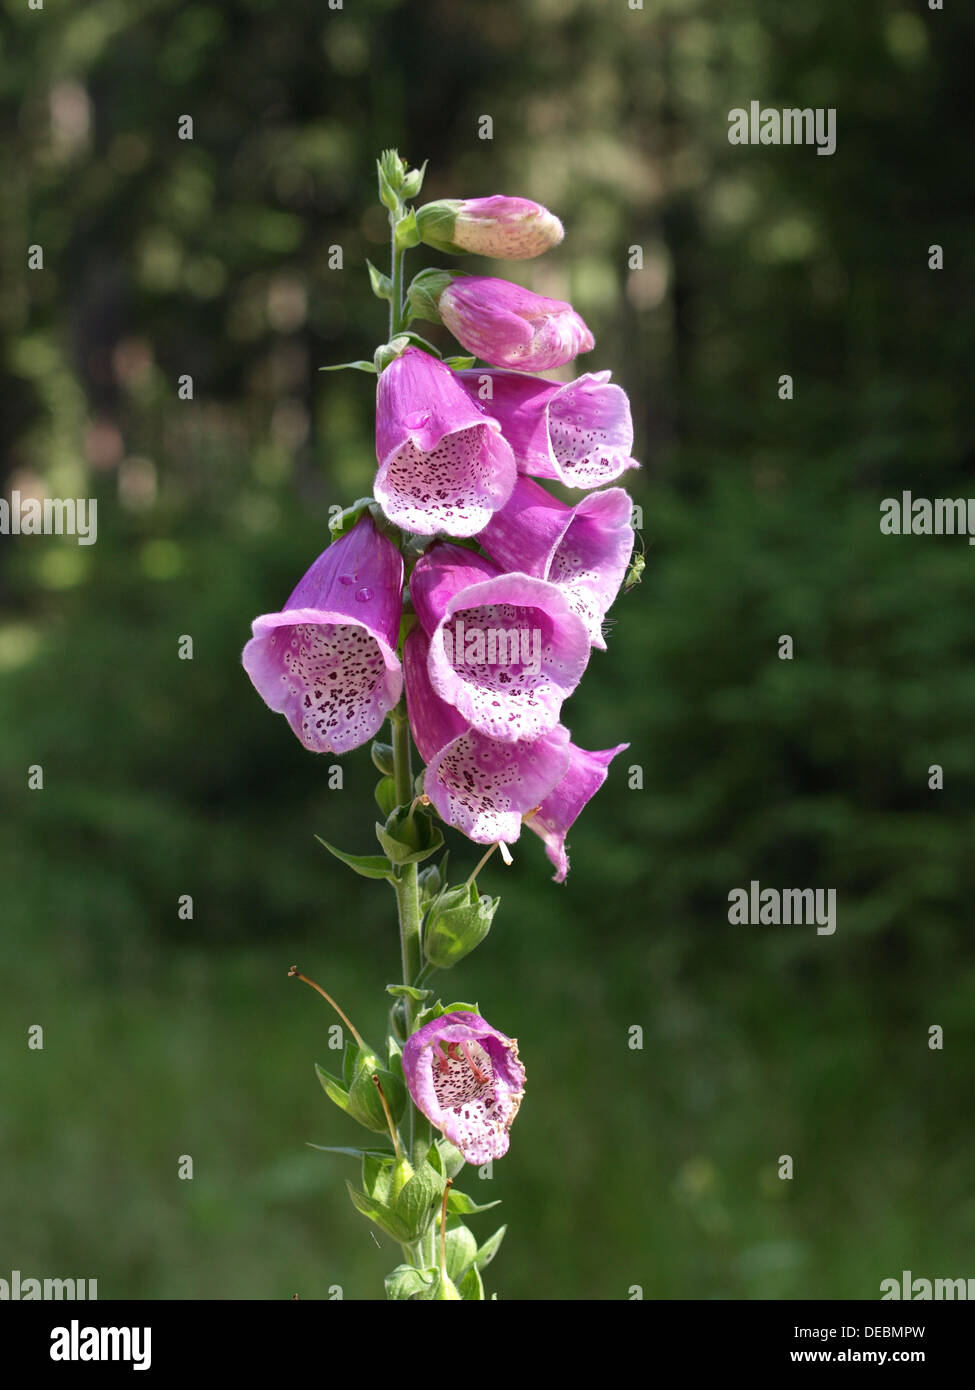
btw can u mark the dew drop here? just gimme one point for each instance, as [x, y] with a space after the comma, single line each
[363, 595]
[346, 578]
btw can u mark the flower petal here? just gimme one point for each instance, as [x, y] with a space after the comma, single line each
[583, 549]
[465, 1077]
[510, 326]
[327, 660]
[443, 463]
[479, 786]
[580, 433]
[585, 775]
[506, 652]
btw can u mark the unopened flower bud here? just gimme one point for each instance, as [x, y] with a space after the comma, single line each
[430, 882]
[510, 229]
[458, 921]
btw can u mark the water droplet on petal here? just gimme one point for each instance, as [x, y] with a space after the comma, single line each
[346, 578]
[416, 419]
[363, 595]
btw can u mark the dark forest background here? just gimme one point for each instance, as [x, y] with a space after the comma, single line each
[162, 777]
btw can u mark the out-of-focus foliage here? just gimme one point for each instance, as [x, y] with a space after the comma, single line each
[215, 258]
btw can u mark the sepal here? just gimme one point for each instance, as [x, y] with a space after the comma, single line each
[356, 1092]
[458, 921]
[348, 517]
[409, 836]
[400, 1200]
[424, 293]
[406, 1282]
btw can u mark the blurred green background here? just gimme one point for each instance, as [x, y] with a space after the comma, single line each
[163, 777]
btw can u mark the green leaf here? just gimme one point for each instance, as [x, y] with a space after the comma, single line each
[384, 1218]
[489, 1249]
[418, 996]
[417, 1204]
[352, 1152]
[471, 1289]
[360, 365]
[384, 1178]
[461, 1251]
[377, 1176]
[364, 1102]
[459, 1204]
[405, 233]
[460, 364]
[333, 1088]
[349, 1059]
[368, 865]
[406, 1282]
[382, 285]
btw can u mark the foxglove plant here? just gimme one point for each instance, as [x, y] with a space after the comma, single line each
[507, 589]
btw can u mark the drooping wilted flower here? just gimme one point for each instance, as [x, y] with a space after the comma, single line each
[443, 462]
[328, 660]
[583, 549]
[505, 649]
[552, 821]
[579, 433]
[467, 1080]
[511, 327]
[510, 229]
[478, 785]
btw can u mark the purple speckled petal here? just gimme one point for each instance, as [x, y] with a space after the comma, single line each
[554, 818]
[512, 229]
[328, 660]
[479, 786]
[443, 462]
[580, 433]
[511, 327]
[505, 651]
[465, 1077]
[442, 571]
[583, 549]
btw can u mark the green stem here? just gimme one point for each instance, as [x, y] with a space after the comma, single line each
[406, 882]
[397, 319]
[406, 885]
[407, 878]
[407, 888]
